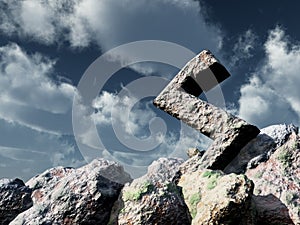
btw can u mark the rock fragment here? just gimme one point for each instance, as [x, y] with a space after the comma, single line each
[15, 198]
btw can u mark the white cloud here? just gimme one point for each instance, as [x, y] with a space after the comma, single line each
[134, 121]
[25, 152]
[244, 47]
[272, 94]
[110, 23]
[27, 93]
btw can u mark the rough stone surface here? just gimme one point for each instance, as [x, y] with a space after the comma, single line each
[178, 99]
[194, 151]
[279, 177]
[154, 198]
[75, 196]
[14, 199]
[259, 149]
[215, 198]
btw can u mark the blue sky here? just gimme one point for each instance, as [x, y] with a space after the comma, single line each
[46, 46]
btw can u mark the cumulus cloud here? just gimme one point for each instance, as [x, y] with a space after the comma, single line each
[28, 94]
[136, 122]
[272, 94]
[109, 23]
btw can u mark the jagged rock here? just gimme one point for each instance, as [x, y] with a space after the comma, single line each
[215, 198]
[154, 198]
[279, 177]
[14, 199]
[259, 149]
[75, 196]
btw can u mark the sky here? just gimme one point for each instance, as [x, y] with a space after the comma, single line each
[49, 48]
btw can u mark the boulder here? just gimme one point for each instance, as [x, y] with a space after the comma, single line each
[15, 198]
[279, 177]
[154, 198]
[215, 198]
[75, 196]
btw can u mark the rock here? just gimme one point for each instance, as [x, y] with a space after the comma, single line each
[179, 99]
[271, 211]
[279, 177]
[259, 149]
[14, 199]
[194, 151]
[154, 198]
[75, 196]
[215, 198]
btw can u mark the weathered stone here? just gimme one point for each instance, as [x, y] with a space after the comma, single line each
[194, 151]
[215, 198]
[75, 196]
[259, 149]
[277, 183]
[154, 198]
[179, 99]
[271, 211]
[14, 199]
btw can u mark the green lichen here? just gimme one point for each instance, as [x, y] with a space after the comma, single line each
[193, 213]
[194, 200]
[139, 192]
[285, 157]
[213, 177]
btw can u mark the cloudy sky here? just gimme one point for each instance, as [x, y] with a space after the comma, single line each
[46, 48]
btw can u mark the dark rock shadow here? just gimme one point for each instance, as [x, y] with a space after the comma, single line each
[271, 211]
[256, 151]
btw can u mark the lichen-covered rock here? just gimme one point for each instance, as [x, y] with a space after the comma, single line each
[75, 196]
[259, 149]
[279, 177]
[215, 198]
[154, 198]
[14, 199]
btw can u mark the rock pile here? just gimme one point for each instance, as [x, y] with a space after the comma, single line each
[172, 192]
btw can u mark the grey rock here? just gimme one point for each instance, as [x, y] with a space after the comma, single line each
[259, 149]
[14, 199]
[179, 99]
[153, 198]
[75, 196]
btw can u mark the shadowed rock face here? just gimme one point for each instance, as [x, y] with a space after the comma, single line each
[14, 199]
[260, 149]
[230, 134]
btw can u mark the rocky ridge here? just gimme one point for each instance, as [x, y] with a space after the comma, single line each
[260, 186]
